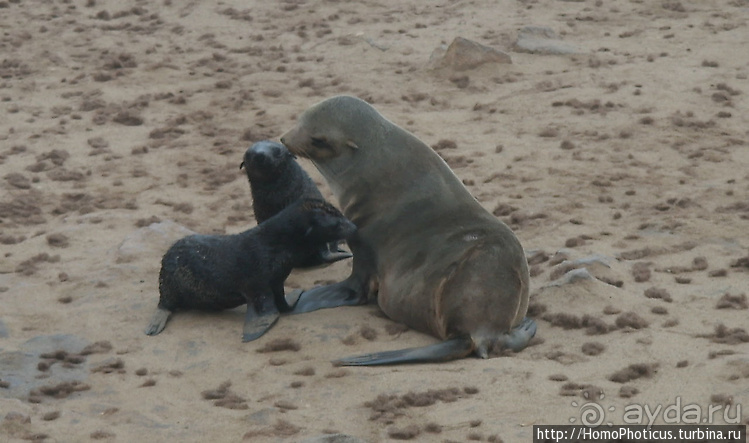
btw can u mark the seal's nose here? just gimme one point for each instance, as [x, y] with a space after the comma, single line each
[260, 159]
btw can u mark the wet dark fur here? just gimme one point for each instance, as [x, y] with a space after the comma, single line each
[276, 181]
[215, 272]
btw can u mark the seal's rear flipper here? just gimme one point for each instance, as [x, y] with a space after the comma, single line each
[519, 337]
[447, 350]
[516, 340]
[158, 321]
[260, 316]
[330, 296]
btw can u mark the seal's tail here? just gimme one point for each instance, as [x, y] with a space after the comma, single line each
[452, 349]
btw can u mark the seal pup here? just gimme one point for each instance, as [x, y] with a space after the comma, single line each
[276, 181]
[435, 259]
[215, 272]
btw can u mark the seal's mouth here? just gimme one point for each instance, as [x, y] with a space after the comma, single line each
[294, 148]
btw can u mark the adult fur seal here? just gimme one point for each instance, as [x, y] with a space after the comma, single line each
[434, 257]
[276, 181]
[214, 272]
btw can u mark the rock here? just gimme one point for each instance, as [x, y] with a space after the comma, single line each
[20, 368]
[376, 44]
[593, 267]
[573, 276]
[14, 423]
[150, 240]
[464, 54]
[50, 343]
[541, 40]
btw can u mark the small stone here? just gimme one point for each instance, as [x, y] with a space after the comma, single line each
[49, 416]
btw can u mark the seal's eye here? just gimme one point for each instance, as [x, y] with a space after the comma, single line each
[320, 143]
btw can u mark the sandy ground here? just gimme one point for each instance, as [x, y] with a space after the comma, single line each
[120, 114]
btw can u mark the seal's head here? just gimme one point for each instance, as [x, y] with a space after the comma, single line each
[340, 135]
[320, 222]
[334, 128]
[264, 160]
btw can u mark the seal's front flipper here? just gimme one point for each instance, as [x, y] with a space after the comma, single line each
[261, 315]
[158, 321]
[330, 296]
[447, 350]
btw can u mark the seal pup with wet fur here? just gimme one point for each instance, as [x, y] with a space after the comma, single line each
[435, 259]
[276, 181]
[215, 272]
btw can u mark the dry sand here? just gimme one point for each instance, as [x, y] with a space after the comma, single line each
[118, 114]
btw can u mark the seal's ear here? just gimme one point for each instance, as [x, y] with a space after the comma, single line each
[351, 144]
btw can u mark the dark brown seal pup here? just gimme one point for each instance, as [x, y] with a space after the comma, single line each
[434, 257]
[276, 181]
[214, 272]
